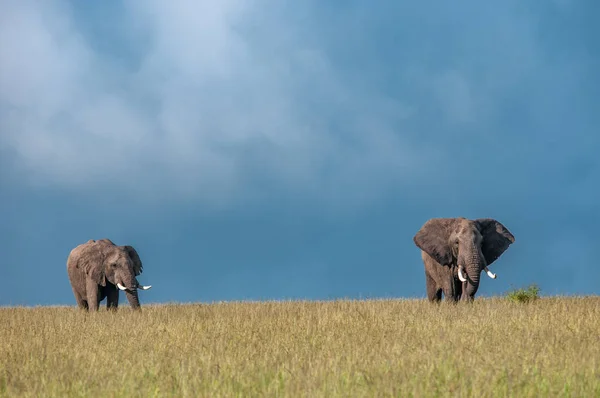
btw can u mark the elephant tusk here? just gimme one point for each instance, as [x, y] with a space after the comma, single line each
[490, 273]
[144, 287]
[460, 274]
[121, 287]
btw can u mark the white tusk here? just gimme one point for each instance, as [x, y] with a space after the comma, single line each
[144, 287]
[490, 273]
[460, 275]
[121, 287]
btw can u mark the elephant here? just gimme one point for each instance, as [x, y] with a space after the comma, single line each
[98, 269]
[452, 246]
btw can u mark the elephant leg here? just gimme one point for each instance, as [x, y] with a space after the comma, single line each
[92, 295]
[458, 289]
[433, 292]
[450, 291]
[81, 302]
[112, 298]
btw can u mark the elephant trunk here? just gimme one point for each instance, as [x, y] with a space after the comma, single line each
[474, 263]
[129, 285]
[132, 297]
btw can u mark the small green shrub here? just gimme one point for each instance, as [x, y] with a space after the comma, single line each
[524, 295]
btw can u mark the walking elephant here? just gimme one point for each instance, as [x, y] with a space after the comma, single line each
[99, 269]
[456, 250]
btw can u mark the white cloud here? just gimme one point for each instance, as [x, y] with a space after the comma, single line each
[223, 101]
[208, 111]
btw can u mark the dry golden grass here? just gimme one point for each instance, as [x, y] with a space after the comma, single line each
[550, 347]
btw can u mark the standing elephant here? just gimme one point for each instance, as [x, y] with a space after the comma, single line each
[452, 246]
[99, 269]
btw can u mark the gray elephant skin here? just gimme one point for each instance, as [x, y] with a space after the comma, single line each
[456, 250]
[99, 269]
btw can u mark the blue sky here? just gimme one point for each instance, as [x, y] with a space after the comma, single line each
[292, 151]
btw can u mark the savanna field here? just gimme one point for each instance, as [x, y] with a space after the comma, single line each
[490, 348]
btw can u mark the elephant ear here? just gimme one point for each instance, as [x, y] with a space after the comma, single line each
[137, 263]
[496, 238]
[434, 239]
[92, 262]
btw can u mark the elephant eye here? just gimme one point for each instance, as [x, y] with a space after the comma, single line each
[114, 265]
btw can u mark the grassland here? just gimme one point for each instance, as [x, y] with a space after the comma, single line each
[494, 347]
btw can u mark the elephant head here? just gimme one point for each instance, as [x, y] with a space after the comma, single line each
[106, 262]
[469, 245]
